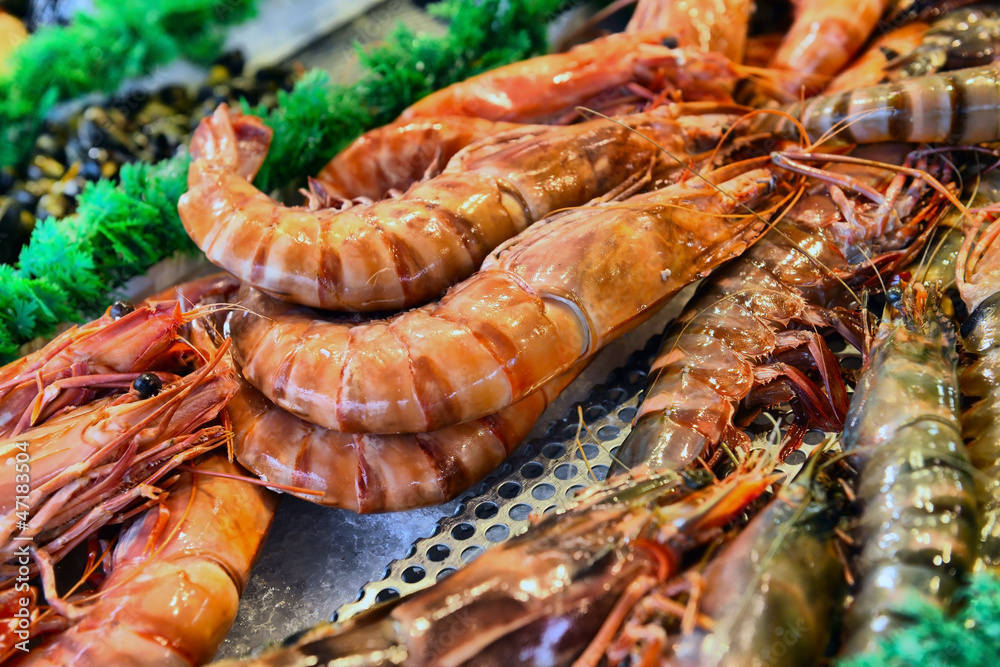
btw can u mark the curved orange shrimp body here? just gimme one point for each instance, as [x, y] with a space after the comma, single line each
[401, 252]
[553, 296]
[177, 574]
[718, 26]
[393, 157]
[379, 473]
[105, 353]
[546, 87]
[823, 38]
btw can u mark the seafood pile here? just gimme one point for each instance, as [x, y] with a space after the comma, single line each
[386, 342]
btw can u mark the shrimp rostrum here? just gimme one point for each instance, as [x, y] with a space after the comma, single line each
[553, 296]
[404, 251]
[538, 598]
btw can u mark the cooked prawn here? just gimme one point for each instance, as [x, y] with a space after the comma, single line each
[546, 87]
[551, 297]
[823, 38]
[177, 573]
[402, 252]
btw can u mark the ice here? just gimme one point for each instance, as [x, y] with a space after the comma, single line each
[315, 560]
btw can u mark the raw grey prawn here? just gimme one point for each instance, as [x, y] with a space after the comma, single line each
[551, 297]
[90, 464]
[767, 599]
[750, 333]
[538, 598]
[961, 38]
[957, 107]
[979, 284]
[177, 572]
[107, 353]
[918, 520]
[405, 251]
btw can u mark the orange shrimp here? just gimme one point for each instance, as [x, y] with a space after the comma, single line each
[177, 574]
[869, 69]
[545, 87]
[706, 25]
[394, 156]
[379, 473]
[105, 353]
[824, 38]
[88, 464]
[551, 297]
[401, 252]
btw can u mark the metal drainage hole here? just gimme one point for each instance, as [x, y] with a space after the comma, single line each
[600, 472]
[413, 574]
[486, 510]
[636, 377]
[814, 437]
[571, 491]
[617, 395]
[627, 414]
[463, 531]
[572, 429]
[445, 573]
[438, 553]
[555, 450]
[509, 490]
[565, 471]
[798, 457]
[609, 432]
[386, 594]
[614, 451]
[590, 451]
[549, 510]
[532, 469]
[497, 533]
[594, 412]
[360, 596]
[471, 553]
[543, 491]
[519, 512]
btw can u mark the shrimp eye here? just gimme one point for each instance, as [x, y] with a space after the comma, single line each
[894, 295]
[121, 309]
[670, 42]
[147, 385]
